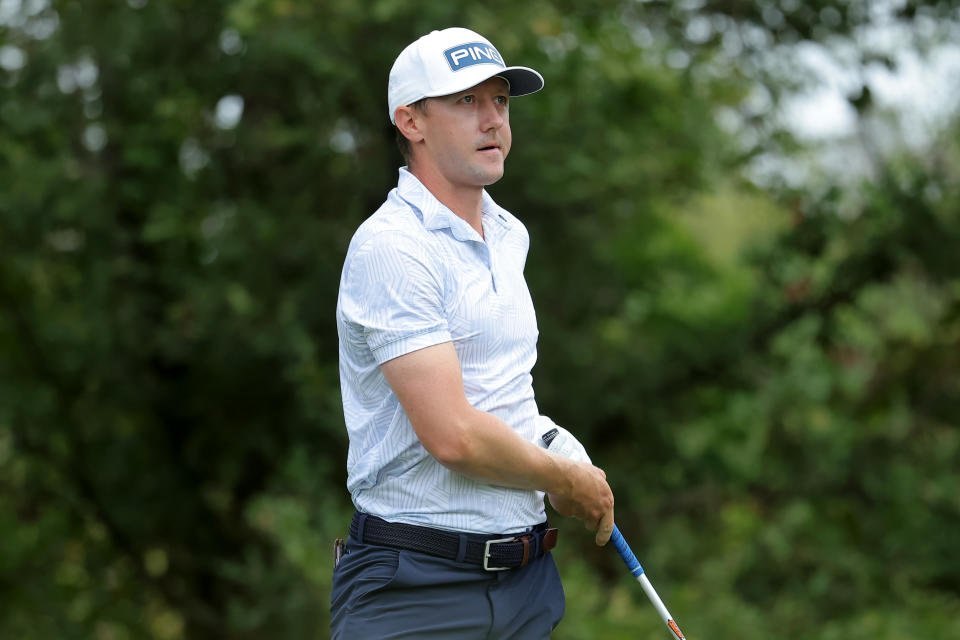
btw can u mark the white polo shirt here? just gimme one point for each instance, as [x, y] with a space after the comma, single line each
[416, 275]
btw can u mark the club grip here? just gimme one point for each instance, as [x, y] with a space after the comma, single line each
[625, 552]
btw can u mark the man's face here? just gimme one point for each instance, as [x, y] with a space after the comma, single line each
[467, 134]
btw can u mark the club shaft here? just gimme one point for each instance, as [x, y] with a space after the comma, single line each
[634, 566]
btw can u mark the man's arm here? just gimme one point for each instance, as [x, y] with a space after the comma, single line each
[429, 385]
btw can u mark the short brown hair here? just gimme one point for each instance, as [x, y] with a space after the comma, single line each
[402, 143]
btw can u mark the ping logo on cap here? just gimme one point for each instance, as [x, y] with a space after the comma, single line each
[471, 53]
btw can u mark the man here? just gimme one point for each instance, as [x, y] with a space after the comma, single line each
[437, 341]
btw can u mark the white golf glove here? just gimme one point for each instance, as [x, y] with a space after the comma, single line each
[556, 439]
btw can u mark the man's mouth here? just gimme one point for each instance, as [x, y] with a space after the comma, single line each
[489, 147]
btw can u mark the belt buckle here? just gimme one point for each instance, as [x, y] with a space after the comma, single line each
[486, 553]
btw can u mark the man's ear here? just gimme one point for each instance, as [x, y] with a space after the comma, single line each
[408, 122]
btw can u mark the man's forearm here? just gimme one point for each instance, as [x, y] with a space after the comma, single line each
[488, 450]
[479, 445]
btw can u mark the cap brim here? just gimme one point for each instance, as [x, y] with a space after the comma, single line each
[523, 80]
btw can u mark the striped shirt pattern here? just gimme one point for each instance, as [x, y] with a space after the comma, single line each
[416, 275]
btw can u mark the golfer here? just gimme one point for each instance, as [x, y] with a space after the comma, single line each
[437, 341]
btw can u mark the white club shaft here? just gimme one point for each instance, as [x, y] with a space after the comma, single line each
[654, 598]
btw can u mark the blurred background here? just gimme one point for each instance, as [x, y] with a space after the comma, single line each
[744, 220]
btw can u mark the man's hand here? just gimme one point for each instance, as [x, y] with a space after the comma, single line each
[585, 494]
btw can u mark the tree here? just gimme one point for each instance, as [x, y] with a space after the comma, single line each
[179, 186]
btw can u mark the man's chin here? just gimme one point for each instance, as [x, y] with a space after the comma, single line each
[490, 176]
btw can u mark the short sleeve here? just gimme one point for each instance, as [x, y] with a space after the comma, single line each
[393, 291]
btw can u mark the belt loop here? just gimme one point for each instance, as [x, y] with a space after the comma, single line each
[361, 522]
[536, 542]
[526, 549]
[462, 548]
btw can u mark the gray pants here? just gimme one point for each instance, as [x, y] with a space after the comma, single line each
[380, 592]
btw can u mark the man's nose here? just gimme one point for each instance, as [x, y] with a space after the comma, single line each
[491, 115]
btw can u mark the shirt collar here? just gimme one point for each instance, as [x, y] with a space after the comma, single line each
[436, 215]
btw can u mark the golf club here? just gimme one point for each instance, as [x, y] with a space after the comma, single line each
[634, 566]
[558, 440]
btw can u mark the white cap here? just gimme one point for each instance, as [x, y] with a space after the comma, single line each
[449, 61]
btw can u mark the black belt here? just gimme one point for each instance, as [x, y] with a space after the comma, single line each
[493, 553]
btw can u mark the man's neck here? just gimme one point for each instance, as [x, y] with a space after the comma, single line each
[464, 201]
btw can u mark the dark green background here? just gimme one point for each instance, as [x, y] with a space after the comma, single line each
[768, 371]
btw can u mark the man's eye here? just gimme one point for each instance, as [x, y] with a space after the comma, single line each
[502, 99]
[468, 99]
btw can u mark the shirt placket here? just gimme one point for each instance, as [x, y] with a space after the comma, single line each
[490, 255]
[491, 262]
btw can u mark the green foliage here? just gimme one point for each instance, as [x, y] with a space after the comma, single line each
[769, 377]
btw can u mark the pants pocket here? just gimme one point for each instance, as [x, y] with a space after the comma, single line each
[363, 572]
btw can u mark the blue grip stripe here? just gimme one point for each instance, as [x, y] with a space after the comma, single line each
[626, 553]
